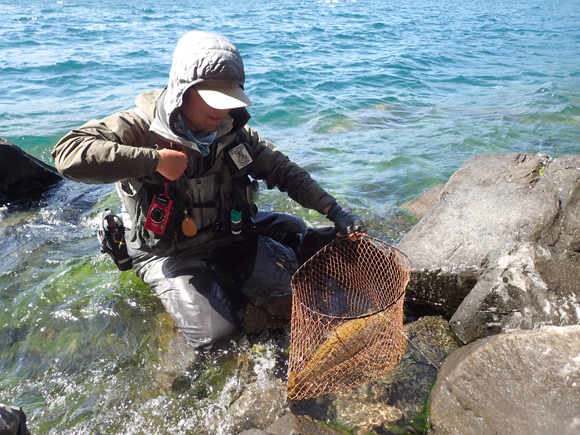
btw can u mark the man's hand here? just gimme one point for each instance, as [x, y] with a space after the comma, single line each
[346, 223]
[171, 163]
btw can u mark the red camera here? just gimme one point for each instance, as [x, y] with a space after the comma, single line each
[159, 213]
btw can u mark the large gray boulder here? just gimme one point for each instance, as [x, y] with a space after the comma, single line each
[493, 200]
[523, 286]
[525, 382]
[23, 177]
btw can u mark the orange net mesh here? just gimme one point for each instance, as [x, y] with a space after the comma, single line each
[347, 311]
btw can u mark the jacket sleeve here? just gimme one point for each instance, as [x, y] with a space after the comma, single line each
[277, 170]
[108, 150]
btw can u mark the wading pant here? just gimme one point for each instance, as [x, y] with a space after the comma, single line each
[192, 293]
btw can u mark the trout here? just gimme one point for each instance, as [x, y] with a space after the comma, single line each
[341, 344]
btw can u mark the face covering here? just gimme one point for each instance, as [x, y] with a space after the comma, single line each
[203, 142]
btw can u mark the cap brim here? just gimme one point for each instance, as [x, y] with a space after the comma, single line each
[223, 96]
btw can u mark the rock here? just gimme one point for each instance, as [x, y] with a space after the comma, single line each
[491, 201]
[12, 421]
[254, 432]
[422, 204]
[261, 409]
[291, 424]
[23, 177]
[523, 286]
[524, 382]
[261, 397]
[399, 396]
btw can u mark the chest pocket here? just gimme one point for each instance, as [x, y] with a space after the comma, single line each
[204, 204]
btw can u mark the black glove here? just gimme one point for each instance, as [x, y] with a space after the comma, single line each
[345, 223]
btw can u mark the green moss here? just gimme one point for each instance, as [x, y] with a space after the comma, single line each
[417, 424]
[341, 427]
[406, 214]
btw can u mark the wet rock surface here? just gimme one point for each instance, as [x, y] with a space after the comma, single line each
[523, 286]
[524, 382]
[493, 200]
[23, 178]
[422, 204]
[292, 424]
[254, 375]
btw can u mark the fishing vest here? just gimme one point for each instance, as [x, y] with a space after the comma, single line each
[224, 192]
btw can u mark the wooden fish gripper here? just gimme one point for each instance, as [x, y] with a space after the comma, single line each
[347, 317]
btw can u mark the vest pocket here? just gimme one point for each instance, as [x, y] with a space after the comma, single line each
[204, 207]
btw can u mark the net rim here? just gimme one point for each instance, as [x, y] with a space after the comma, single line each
[369, 239]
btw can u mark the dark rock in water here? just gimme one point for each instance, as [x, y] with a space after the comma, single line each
[493, 200]
[525, 382]
[23, 178]
[12, 421]
[523, 286]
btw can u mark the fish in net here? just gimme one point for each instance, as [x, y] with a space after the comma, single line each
[347, 314]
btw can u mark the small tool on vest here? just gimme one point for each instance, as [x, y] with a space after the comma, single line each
[236, 221]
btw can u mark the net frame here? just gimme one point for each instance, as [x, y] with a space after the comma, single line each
[347, 311]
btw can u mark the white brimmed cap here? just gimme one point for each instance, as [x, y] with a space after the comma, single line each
[223, 94]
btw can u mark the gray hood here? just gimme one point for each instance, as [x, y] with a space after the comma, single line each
[200, 56]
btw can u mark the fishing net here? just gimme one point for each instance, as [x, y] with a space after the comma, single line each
[347, 314]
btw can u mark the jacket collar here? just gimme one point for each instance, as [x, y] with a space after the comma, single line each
[232, 123]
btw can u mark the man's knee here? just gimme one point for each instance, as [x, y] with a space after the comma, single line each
[199, 307]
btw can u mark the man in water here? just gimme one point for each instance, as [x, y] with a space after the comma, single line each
[185, 163]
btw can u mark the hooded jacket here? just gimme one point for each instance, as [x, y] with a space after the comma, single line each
[122, 149]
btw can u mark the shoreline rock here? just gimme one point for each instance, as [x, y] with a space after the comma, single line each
[23, 178]
[523, 286]
[523, 382]
[493, 200]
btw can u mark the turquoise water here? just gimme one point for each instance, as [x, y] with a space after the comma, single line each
[380, 100]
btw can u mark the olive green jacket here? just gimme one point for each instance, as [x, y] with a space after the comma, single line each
[122, 149]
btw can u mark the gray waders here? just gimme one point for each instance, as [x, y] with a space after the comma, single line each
[200, 303]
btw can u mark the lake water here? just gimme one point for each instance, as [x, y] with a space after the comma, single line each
[379, 100]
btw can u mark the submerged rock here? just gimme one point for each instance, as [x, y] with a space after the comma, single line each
[493, 200]
[23, 177]
[525, 382]
[291, 424]
[523, 286]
